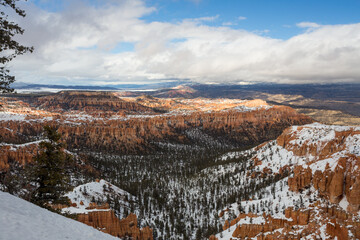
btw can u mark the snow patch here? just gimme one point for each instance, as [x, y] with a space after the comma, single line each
[95, 191]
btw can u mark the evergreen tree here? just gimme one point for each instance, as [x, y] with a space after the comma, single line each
[49, 170]
[9, 48]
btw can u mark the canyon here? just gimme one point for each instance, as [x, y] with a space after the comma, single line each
[179, 168]
[108, 123]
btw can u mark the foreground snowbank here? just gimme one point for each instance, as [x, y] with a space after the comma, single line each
[23, 220]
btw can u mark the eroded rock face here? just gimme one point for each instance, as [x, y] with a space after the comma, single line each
[353, 196]
[226, 225]
[331, 183]
[337, 223]
[321, 160]
[336, 146]
[21, 153]
[104, 122]
[270, 224]
[212, 237]
[107, 222]
[336, 230]
[301, 179]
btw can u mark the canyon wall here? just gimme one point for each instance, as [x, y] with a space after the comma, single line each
[126, 126]
[107, 222]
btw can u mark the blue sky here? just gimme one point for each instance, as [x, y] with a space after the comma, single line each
[277, 18]
[117, 41]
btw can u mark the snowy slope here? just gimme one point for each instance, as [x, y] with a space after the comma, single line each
[100, 191]
[314, 135]
[23, 220]
[314, 146]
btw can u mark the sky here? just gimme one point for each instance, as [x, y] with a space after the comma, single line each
[104, 42]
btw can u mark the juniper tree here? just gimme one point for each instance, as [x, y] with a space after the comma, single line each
[49, 170]
[9, 48]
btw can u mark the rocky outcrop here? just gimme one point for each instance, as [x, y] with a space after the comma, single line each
[299, 217]
[270, 224]
[107, 222]
[334, 182]
[212, 237]
[301, 179]
[352, 195]
[21, 153]
[226, 225]
[335, 185]
[335, 230]
[337, 223]
[248, 230]
[320, 158]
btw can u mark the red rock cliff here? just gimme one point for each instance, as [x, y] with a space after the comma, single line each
[133, 134]
[107, 222]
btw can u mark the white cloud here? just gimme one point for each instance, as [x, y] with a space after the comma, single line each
[242, 18]
[75, 46]
[228, 24]
[308, 25]
[206, 19]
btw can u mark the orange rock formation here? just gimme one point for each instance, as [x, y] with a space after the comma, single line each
[130, 125]
[107, 222]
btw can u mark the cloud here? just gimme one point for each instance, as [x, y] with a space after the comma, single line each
[229, 24]
[308, 25]
[206, 19]
[75, 46]
[242, 18]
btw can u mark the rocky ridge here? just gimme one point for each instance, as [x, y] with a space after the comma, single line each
[90, 203]
[129, 125]
[319, 199]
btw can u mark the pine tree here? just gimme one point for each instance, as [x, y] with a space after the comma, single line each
[9, 47]
[49, 170]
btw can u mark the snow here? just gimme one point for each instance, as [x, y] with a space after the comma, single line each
[323, 233]
[23, 220]
[249, 109]
[15, 146]
[86, 193]
[274, 202]
[344, 203]
[248, 220]
[274, 156]
[227, 234]
[321, 165]
[318, 133]
[9, 116]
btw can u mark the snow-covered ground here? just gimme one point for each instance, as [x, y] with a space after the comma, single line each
[100, 191]
[10, 116]
[14, 147]
[22, 220]
[274, 156]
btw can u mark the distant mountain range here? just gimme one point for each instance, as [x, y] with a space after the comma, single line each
[339, 97]
[32, 87]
